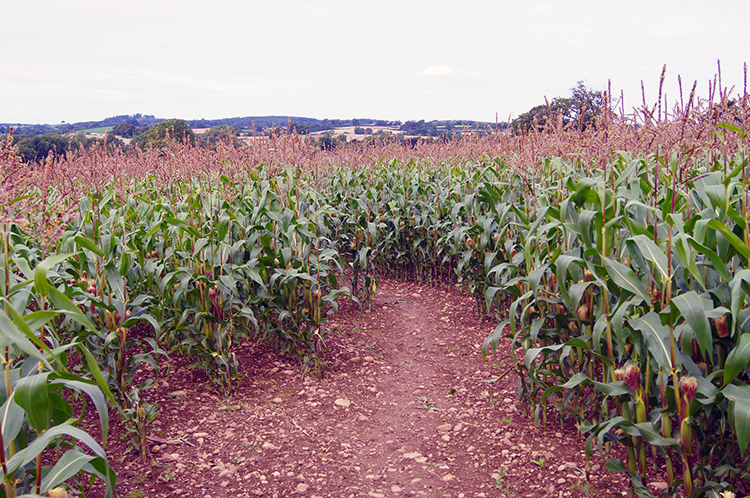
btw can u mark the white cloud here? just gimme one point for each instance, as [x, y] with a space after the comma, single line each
[440, 70]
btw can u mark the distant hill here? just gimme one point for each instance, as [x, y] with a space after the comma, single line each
[131, 125]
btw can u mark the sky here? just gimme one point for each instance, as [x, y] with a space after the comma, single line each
[83, 60]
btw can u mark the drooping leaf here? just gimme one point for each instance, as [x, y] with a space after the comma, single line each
[626, 278]
[40, 273]
[32, 394]
[30, 453]
[736, 242]
[66, 467]
[738, 359]
[740, 398]
[657, 338]
[692, 308]
[652, 253]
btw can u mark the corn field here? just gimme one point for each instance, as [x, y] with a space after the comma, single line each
[616, 262]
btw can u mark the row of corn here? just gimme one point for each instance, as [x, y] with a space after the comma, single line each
[626, 288]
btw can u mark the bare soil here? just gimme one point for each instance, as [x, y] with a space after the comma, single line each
[407, 408]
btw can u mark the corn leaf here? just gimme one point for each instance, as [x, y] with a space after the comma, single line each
[657, 338]
[740, 398]
[692, 308]
[738, 359]
[30, 453]
[32, 394]
[66, 467]
[626, 278]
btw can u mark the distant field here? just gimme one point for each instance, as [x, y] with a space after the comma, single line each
[101, 129]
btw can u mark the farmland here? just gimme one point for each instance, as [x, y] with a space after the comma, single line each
[611, 262]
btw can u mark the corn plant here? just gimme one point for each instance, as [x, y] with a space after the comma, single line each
[37, 410]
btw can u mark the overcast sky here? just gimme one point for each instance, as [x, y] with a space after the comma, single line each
[386, 59]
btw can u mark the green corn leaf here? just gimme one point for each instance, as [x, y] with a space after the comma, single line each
[717, 263]
[12, 420]
[64, 304]
[125, 263]
[740, 397]
[16, 337]
[731, 127]
[652, 253]
[37, 319]
[99, 467]
[23, 325]
[532, 353]
[648, 431]
[66, 467]
[736, 242]
[657, 338]
[682, 248]
[40, 274]
[626, 278]
[94, 392]
[32, 394]
[89, 244]
[175, 222]
[561, 265]
[610, 389]
[692, 308]
[96, 372]
[738, 359]
[739, 290]
[30, 453]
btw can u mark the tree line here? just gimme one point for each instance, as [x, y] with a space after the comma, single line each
[579, 110]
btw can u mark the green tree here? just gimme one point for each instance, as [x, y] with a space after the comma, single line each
[36, 148]
[578, 111]
[157, 135]
[216, 134]
[129, 128]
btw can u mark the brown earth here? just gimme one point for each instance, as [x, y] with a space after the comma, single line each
[406, 408]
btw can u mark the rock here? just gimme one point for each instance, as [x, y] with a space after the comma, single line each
[170, 457]
[444, 428]
[269, 446]
[342, 402]
[302, 487]
[178, 394]
[659, 485]
[277, 400]
[369, 359]
[412, 455]
[447, 477]
[395, 489]
[375, 495]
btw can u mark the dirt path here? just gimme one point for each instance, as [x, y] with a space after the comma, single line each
[405, 409]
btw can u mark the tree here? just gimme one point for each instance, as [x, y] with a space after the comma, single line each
[578, 111]
[36, 148]
[156, 136]
[129, 128]
[216, 134]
